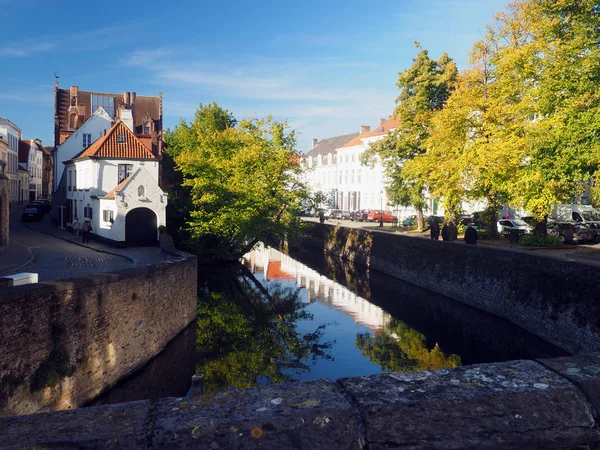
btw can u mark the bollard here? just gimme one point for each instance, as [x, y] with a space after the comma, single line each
[197, 387]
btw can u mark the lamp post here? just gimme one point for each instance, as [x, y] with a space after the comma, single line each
[381, 210]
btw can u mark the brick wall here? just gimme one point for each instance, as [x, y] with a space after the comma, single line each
[63, 343]
[555, 299]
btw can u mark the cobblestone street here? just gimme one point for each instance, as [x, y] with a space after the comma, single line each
[53, 254]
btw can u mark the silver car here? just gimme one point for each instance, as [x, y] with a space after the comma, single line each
[505, 226]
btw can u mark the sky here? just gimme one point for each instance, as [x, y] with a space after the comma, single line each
[325, 66]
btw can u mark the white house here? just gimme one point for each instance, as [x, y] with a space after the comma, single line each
[30, 157]
[114, 183]
[320, 166]
[11, 134]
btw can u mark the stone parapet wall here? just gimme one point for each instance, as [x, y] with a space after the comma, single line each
[508, 405]
[64, 343]
[555, 299]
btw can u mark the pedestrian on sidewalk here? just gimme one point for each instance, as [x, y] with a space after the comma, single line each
[452, 231]
[76, 228]
[471, 235]
[86, 227]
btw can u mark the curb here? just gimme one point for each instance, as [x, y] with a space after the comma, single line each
[29, 260]
[131, 260]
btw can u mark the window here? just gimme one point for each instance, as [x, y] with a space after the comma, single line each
[87, 212]
[141, 191]
[107, 102]
[121, 138]
[125, 170]
[146, 129]
[108, 216]
[74, 179]
[87, 140]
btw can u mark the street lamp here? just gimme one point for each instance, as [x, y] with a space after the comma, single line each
[381, 210]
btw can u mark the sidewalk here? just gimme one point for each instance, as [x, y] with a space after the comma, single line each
[139, 256]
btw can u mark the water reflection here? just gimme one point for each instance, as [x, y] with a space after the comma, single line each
[248, 332]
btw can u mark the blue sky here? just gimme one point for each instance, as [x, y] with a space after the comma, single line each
[326, 66]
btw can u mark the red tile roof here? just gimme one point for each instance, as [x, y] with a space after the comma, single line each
[380, 130]
[121, 185]
[108, 145]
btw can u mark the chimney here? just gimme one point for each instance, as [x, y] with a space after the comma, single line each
[382, 121]
[126, 98]
[365, 129]
[132, 98]
[127, 118]
[315, 142]
[73, 90]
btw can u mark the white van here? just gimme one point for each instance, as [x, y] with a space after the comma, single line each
[574, 213]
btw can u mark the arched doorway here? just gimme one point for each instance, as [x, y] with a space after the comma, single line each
[140, 227]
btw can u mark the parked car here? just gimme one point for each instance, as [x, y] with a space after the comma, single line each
[505, 226]
[375, 215]
[465, 221]
[345, 215]
[429, 219]
[336, 214]
[31, 214]
[595, 229]
[571, 232]
[409, 221]
[359, 216]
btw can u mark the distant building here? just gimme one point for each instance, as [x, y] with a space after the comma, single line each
[11, 134]
[22, 184]
[114, 184]
[333, 167]
[82, 117]
[47, 169]
[31, 158]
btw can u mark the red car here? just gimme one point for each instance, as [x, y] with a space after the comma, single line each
[375, 215]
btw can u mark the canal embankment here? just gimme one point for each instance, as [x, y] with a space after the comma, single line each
[66, 342]
[554, 299]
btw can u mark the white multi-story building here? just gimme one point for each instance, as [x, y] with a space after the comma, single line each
[333, 166]
[11, 134]
[113, 183]
[30, 157]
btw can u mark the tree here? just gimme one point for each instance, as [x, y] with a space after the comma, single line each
[243, 179]
[424, 88]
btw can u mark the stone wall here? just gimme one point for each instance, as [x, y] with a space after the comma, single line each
[555, 299]
[511, 405]
[64, 343]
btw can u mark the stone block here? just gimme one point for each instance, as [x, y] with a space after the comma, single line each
[516, 404]
[310, 415]
[103, 427]
[583, 371]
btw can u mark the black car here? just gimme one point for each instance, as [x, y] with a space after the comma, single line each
[31, 214]
[359, 216]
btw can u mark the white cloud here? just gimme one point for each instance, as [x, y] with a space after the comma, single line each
[25, 48]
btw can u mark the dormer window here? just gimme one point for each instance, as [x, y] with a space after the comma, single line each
[121, 138]
[147, 129]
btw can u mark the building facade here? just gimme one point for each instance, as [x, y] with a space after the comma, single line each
[31, 157]
[73, 108]
[113, 184]
[11, 134]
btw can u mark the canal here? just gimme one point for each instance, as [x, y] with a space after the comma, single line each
[278, 318]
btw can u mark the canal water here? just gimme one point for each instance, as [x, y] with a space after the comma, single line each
[277, 318]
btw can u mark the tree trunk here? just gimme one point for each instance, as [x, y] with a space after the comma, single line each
[420, 223]
[541, 228]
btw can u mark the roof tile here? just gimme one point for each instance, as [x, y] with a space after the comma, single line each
[380, 130]
[108, 146]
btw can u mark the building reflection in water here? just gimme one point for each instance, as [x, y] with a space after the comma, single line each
[277, 266]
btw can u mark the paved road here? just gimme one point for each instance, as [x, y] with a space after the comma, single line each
[56, 259]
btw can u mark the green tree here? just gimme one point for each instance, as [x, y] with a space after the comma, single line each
[243, 181]
[424, 88]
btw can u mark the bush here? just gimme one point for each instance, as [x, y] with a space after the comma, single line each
[546, 240]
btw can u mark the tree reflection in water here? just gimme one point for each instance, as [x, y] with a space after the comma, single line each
[247, 333]
[398, 348]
